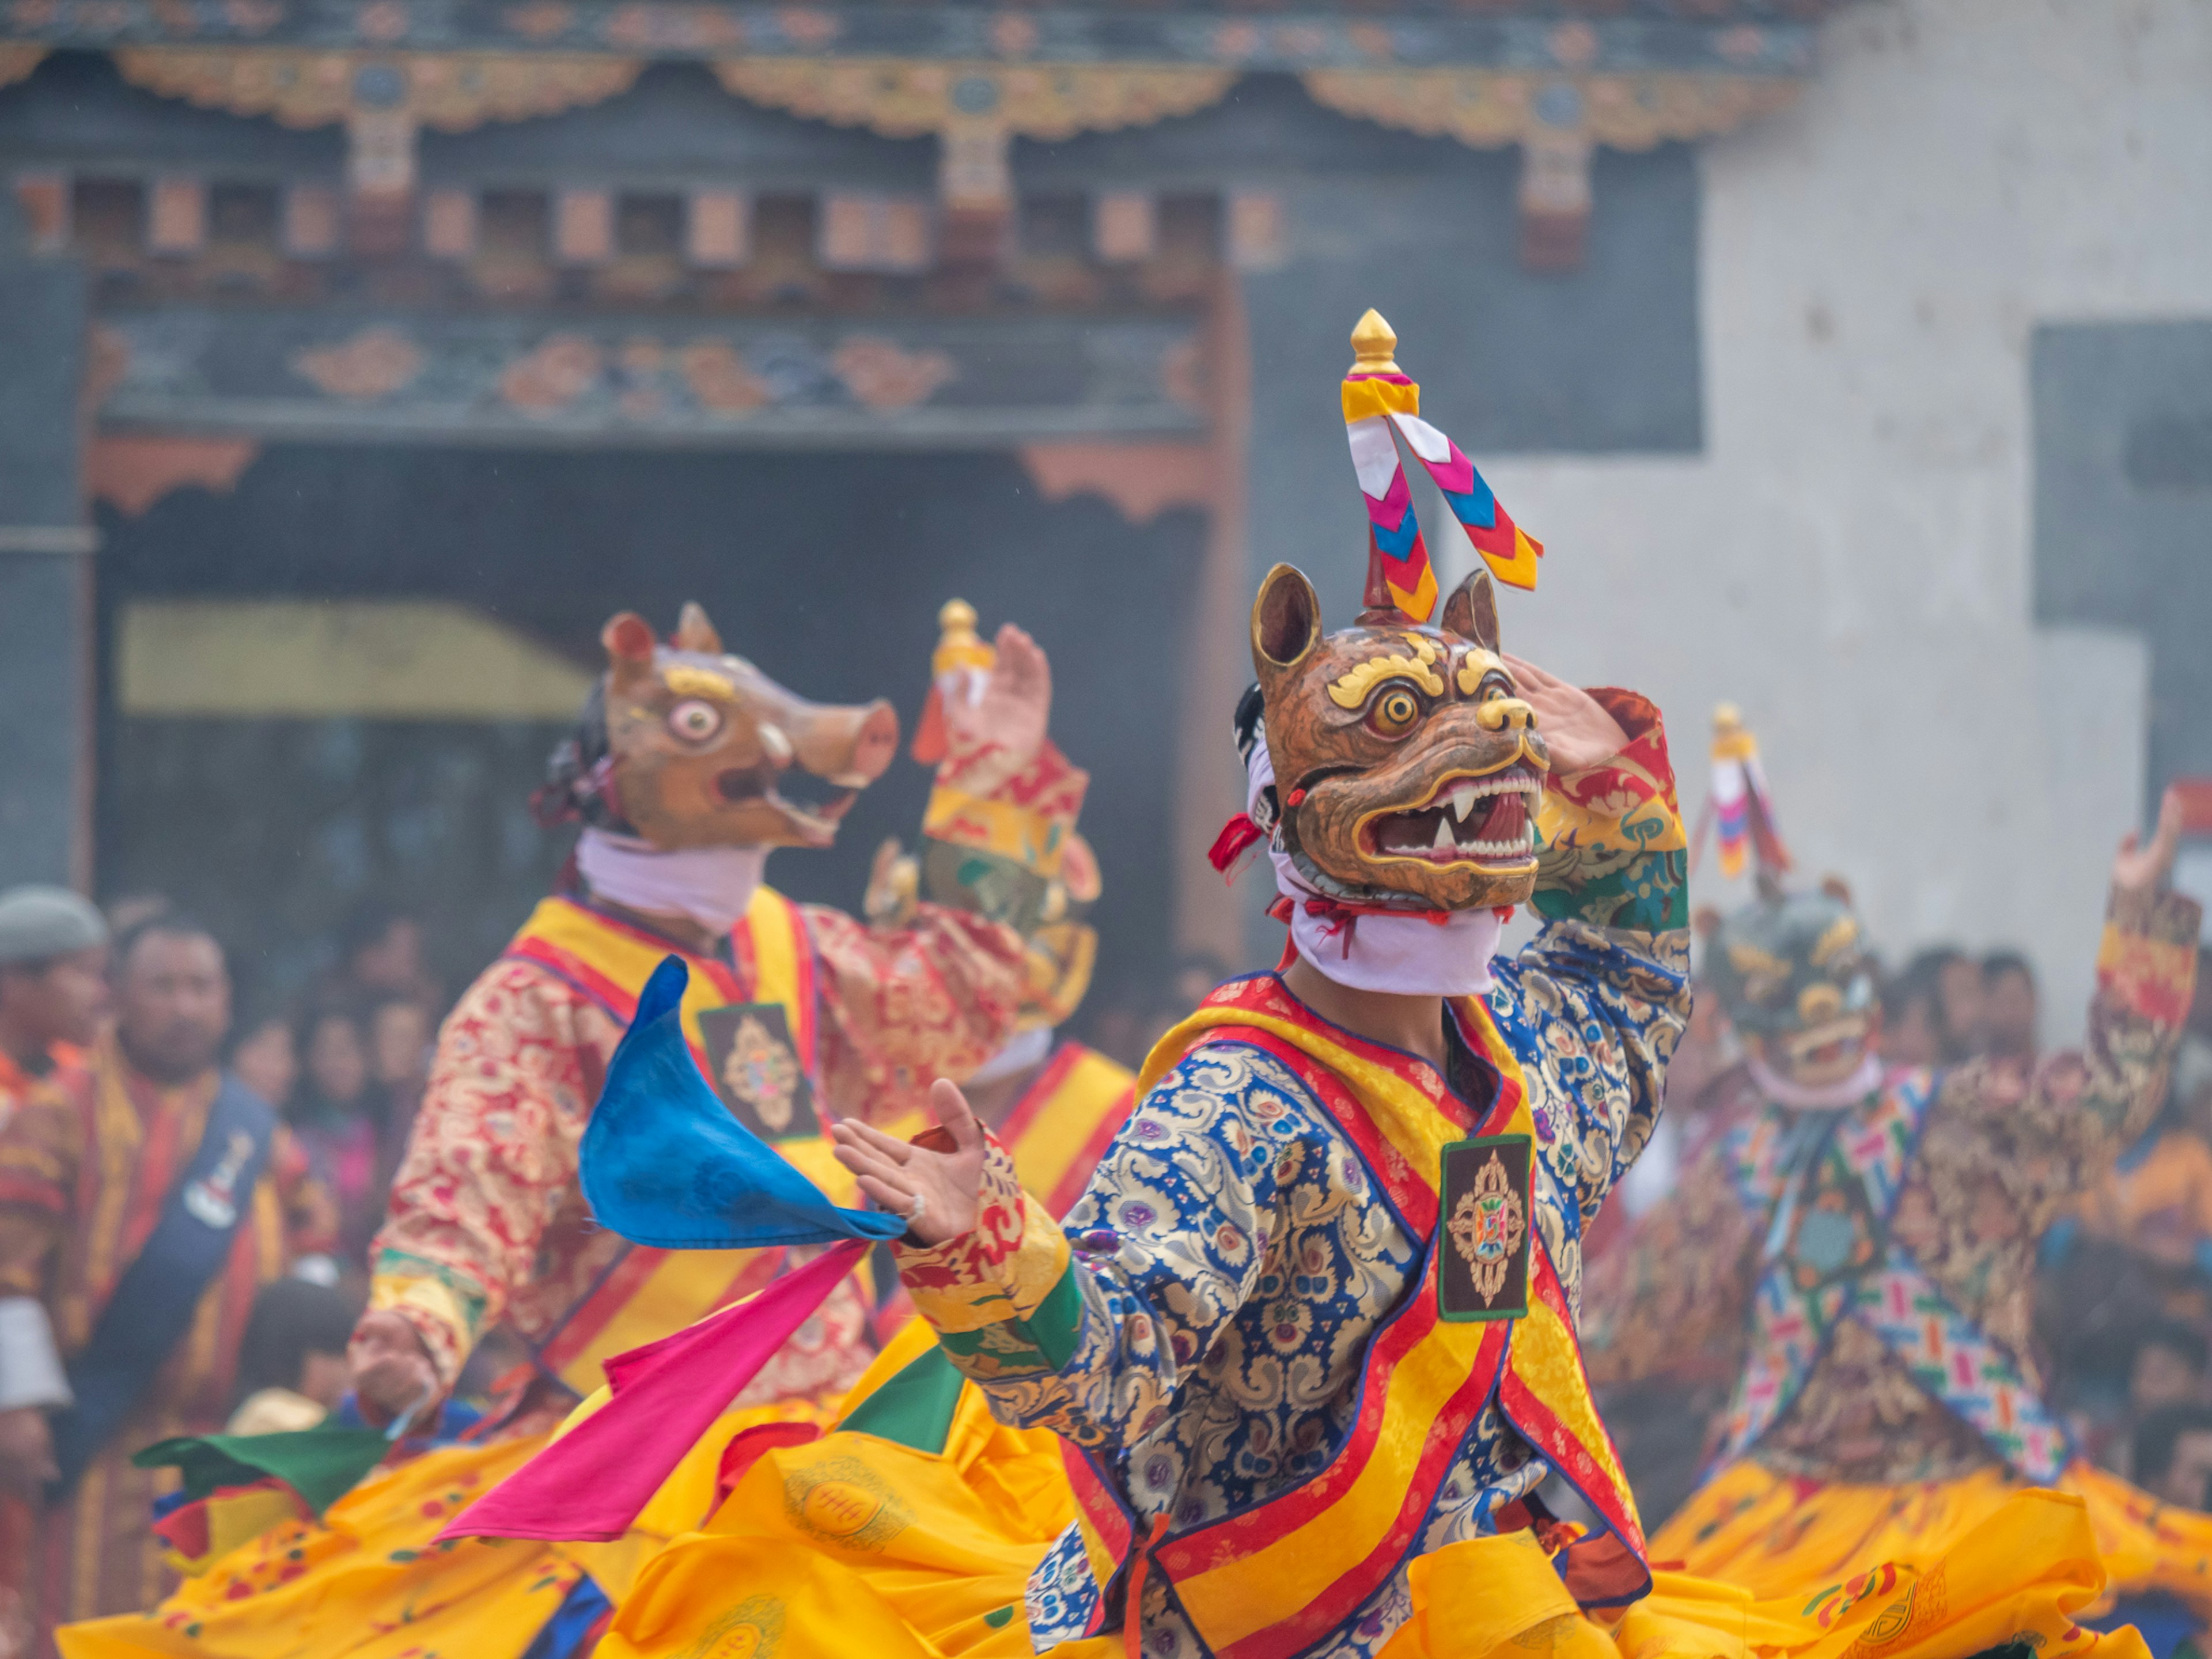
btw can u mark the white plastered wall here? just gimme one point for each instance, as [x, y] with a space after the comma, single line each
[1850, 560]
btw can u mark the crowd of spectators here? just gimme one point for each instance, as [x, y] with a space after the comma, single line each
[342, 1059]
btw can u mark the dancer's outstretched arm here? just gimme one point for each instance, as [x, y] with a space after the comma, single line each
[1087, 1330]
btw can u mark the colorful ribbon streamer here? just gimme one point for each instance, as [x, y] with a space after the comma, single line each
[1381, 404]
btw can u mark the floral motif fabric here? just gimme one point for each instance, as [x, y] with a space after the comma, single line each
[487, 1220]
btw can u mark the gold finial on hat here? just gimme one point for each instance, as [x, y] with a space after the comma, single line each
[1374, 346]
[957, 646]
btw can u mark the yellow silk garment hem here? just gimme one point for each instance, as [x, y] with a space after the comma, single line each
[1763, 1531]
[853, 1544]
[2023, 1572]
[369, 1583]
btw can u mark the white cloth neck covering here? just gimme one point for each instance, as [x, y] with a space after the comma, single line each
[712, 886]
[1823, 1097]
[1408, 956]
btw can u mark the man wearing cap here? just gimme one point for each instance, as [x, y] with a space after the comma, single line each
[54, 994]
[144, 1198]
[53, 990]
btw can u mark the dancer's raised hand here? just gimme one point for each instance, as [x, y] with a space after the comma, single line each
[2141, 867]
[1576, 728]
[1015, 707]
[936, 1188]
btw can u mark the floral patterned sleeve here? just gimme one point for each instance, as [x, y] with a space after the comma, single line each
[1088, 1331]
[1594, 1005]
[2060, 1130]
[491, 1157]
[1670, 1298]
[938, 994]
[901, 1007]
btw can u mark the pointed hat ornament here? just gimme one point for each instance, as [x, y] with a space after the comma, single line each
[1380, 405]
[1739, 803]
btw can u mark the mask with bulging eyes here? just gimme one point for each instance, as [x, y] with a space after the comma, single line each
[1408, 770]
[686, 745]
[1793, 974]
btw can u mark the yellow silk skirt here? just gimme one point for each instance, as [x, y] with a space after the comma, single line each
[369, 1582]
[855, 1545]
[1774, 1536]
[2018, 1574]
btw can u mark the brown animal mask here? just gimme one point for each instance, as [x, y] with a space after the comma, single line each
[1407, 768]
[686, 745]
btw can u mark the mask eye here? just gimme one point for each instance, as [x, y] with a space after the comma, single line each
[694, 720]
[1395, 712]
[1494, 686]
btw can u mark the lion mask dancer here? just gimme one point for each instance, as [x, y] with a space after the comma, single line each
[1396, 775]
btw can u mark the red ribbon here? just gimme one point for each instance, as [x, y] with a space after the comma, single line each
[1237, 838]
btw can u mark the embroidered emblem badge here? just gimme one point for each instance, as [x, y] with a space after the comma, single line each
[754, 1067]
[211, 1199]
[1483, 1274]
[841, 1501]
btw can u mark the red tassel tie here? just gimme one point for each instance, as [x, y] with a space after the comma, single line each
[1236, 842]
[1338, 918]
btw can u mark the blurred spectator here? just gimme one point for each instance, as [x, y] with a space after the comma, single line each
[400, 1044]
[1913, 1013]
[1958, 1003]
[2008, 1007]
[339, 1118]
[129, 912]
[146, 1205]
[380, 951]
[53, 985]
[292, 1362]
[266, 1058]
[53, 998]
[2157, 1200]
[2174, 1456]
[2168, 1368]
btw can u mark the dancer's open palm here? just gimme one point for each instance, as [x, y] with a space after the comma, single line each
[935, 1186]
[1015, 709]
[1576, 726]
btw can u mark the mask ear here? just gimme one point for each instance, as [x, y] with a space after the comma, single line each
[628, 642]
[1285, 623]
[1471, 612]
[695, 632]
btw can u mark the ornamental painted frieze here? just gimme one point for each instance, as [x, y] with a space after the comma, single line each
[1703, 37]
[451, 92]
[511, 376]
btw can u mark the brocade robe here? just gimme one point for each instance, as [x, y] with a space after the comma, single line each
[2002, 1154]
[1231, 1258]
[487, 1219]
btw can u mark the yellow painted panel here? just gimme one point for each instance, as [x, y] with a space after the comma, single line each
[421, 659]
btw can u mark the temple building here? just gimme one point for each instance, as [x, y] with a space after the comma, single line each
[364, 356]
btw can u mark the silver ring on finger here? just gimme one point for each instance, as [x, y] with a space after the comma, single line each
[914, 1212]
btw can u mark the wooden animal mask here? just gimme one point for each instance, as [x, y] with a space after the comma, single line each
[1407, 768]
[685, 745]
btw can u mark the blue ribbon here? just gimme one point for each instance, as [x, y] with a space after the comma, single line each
[665, 1163]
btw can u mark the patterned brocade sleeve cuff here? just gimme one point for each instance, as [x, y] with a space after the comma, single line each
[1018, 817]
[2147, 960]
[1001, 1297]
[443, 1308]
[1612, 850]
